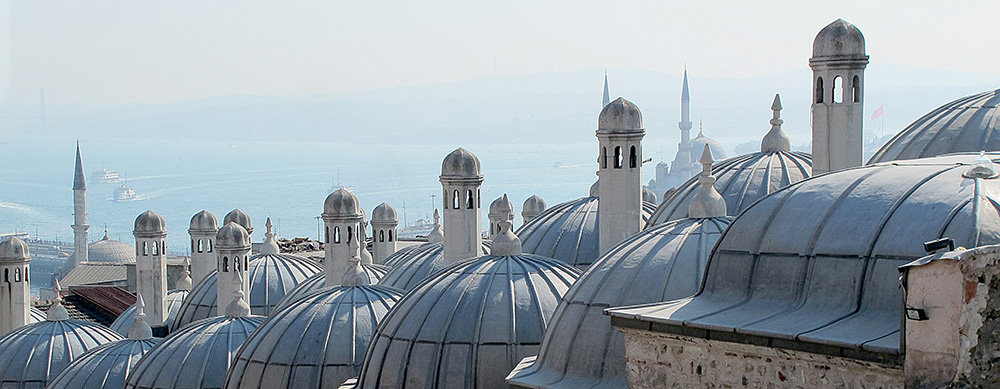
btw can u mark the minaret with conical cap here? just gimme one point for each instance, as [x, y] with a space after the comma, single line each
[776, 139]
[384, 222]
[607, 93]
[151, 265]
[838, 65]
[707, 202]
[80, 226]
[461, 180]
[202, 230]
[233, 256]
[15, 291]
[682, 162]
[619, 134]
[342, 218]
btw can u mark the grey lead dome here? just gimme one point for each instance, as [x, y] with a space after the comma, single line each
[839, 39]
[14, 250]
[384, 213]
[460, 164]
[232, 235]
[239, 217]
[204, 221]
[32, 355]
[342, 203]
[620, 115]
[106, 366]
[149, 222]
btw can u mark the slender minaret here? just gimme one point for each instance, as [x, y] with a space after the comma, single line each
[270, 246]
[232, 246]
[501, 210]
[15, 295]
[203, 228]
[384, 224]
[776, 139]
[838, 64]
[151, 265]
[533, 206]
[342, 217]
[619, 133]
[437, 233]
[80, 225]
[682, 162]
[461, 180]
[707, 202]
[607, 94]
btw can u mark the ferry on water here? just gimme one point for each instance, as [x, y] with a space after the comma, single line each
[105, 176]
[124, 193]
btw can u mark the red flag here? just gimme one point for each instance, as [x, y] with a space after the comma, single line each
[878, 112]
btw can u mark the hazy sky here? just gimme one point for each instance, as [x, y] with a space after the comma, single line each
[126, 51]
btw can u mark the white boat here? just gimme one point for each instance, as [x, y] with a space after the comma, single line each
[422, 227]
[124, 193]
[104, 176]
[337, 186]
[563, 165]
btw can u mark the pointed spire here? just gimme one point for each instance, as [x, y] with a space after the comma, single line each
[355, 275]
[437, 234]
[707, 202]
[57, 312]
[776, 139]
[685, 95]
[105, 232]
[607, 94]
[140, 330]
[185, 283]
[505, 243]
[701, 128]
[79, 183]
[269, 246]
[238, 307]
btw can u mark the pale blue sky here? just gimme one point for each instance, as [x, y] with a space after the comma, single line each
[126, 51]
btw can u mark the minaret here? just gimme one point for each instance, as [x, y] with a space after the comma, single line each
[384, 224]
[682, 162]
[607, 94]
[501, 210]
[838, 64]
[232, 246]
[461, 180]
[203, 228]
[342, 217]
[707, 202]
[80, 225]
[533, 206]
[15, 294]
[151, 265]
[619, 133]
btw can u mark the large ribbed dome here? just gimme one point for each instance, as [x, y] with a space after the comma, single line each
[817, 262]
[741, 181]
[401, 254]
[568, 232]
[33, 355]
[270, 277]
[318, 282]
[969, 124]
[698, 143]
[468, 325]
[110, 251]
[419, 264]
[581, 348]
[318, 341]
[175, 298]
[196, 356]
[105, 366]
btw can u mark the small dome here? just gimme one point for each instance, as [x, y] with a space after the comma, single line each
[149, 223]
[648, 196]
[271, 276]
[175, 298]
[33, 355]
[232, 236]
[342, 203]
[106, 366]
[331, 330]
[533, 206]
[839, 39]
[741, 181]
[663, 263]
[204, 221]
[969, 124]
[239, 217]
[501, 206]
[385, 214]
[619, 115]
[110, 251]
[568, 232]
[14, 250]
[317, 282]
[698, 144]
[419, 264]
[461, 164]
[196, 356]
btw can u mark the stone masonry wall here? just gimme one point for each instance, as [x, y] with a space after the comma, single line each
[658, 360]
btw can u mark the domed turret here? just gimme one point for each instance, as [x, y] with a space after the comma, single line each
[239, 217]
[619, 115]
[460, 164]
[232, 235]
[14, 250]
[501, 210]
[533, 206]
[204, 221]
[342, 203]
[838, 65]
[202, 230]
[149, 223]
[839, 39]
[384, 224]
[384, 213]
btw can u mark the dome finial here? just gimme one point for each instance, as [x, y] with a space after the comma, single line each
[140, 330]
[776, 139]
[185, 283]
[57, 312]
[269, 246]
[354, 275]
[437, 234]
[238, 307]
[982, 167]
[505, 243]
[707, 202]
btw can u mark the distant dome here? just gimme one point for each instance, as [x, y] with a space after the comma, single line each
[232, 235]
[969, 124]
[619, 115]
[741, 181]
[110, 251]
[271, 276]
[175, 298]
[342, 203]
[196, 356]
[384, 213]
[204, 221]
[662, 263]
[318, 281]
[331, 330]
[419, 264]
[239, 217]
[532, 207]
[568, 232]
[501, 205]
[14, 250]
[699, 142]
[469, 325]
[461, 164]
[105, 366]
[839, 39]
[648, 196]
[149, 222]
[33, 355]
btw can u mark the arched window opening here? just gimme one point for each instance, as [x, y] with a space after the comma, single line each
[336, 234]
[856, 87]
[145, 249]
[618, 157]
[26, 274]
[479, 198]
[632, 158]
[193, 247]
[604, 158]
[326, 234]
[201, 245]
[6, 275]
[17, 275]
[246, 263]
[225, 264]
[350, 234]
[381, 235]
[838, 90]
[471, 200]
[209, 245]
[455, 201]
[236, 263]
[156, 249]
[390, 235]
[819, 90]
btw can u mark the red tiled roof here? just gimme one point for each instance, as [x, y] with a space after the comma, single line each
[112, 299]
